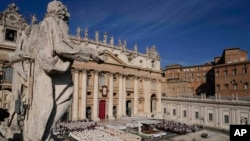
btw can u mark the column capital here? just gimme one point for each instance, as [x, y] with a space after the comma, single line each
[111, 73]
[96, 71]
[84, 70]
[146, 78]
[120, 74]
[76, 70]
[136, 77]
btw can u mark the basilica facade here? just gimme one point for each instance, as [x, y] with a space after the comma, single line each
[127, 84]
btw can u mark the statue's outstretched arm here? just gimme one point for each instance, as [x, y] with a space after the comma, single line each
[79, 53]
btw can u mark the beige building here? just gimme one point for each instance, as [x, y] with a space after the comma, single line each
[209, 112]
[127, 84]
[11, 27]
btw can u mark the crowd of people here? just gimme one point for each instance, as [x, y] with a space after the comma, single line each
[94, 135]
[177, 127]
[88, 131]
[64, 128]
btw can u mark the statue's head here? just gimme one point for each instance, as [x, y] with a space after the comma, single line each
[57, 9]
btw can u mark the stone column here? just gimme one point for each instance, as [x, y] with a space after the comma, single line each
[217, 116]
[190, 113]
[205, 111]
[119, 111]
[179, 111]
[159, 104]
[95, 98]
[135, 96]
[84, 94]
[237, 116]
[75, 96]
[124, 95]
[232, 116]
[147, 97]
[111, 86]
[168, 111]
[220, 117]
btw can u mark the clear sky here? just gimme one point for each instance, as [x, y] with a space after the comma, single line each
[187, 32]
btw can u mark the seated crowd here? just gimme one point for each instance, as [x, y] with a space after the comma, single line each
[177, 127]
[89, 131]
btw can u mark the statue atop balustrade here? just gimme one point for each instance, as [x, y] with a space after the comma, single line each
[86, 33]
[105, 37]
[97, 36]
[78, 31]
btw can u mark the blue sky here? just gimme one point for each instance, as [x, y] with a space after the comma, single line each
[187, 32]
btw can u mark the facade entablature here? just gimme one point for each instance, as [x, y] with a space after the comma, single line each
[149, 60]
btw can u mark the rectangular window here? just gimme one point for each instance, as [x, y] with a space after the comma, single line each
[89, 81]
[88, 93]
[165, 110]
[246, 86]
[10, 35]
[225, 73]
[217, 74]
[128, 83]
[226, 86]
[210, 117]
[101, 80]
[174, 112]
[234, 72]
[115, 83]
[235, 86]
[245, 71]
[7, 74]
[218, 87]
[184, 113]
[153, 64]
[197, 115]
[226, 119]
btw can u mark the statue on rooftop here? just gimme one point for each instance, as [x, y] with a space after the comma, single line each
[124, 44]
[119, 43]
[48, 80]
[78, 31]
[86, 33]
[112, 40]
[136, 48]
[97, 36]
[33, 19]
[105, 37]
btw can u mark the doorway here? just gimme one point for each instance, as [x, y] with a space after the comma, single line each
[102, 109]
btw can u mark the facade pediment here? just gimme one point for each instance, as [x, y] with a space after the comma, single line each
[111, 58]
[12, 17]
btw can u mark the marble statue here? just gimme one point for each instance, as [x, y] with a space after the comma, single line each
[86, 33]
[119, 43]
[136, 48]
[44, 68]
[105, 37]
[111, 40]
[97, 36]
[33, 19]
[124, 44]
[78, 31]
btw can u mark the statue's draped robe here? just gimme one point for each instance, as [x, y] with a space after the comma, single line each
[53, 54]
